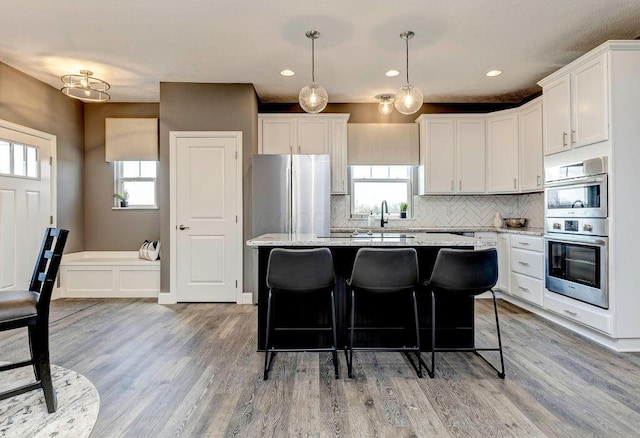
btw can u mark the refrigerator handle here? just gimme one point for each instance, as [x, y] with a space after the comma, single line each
[293, 197]
[289, 199]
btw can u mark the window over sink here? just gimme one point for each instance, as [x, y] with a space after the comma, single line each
[370, 185]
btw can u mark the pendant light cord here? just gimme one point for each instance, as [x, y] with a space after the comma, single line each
[313, 60]
[407, 45]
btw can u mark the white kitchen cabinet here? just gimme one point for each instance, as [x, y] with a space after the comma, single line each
[576, 105]
[531, 143]
[526, 262]
[504, 269]
[502, 152]
[293, 135]
[452, 154]
[308, 134]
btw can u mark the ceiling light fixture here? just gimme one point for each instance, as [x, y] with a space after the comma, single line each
[85, 87]
[287, 73]
[385, 107]
[408, 99]
[392, 73]
[492, 73]
[313, 98]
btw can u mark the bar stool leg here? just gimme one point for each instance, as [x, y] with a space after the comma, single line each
[353, 312]
[495, 308]
[335, 336]
[266, 343]
[417, 327]
[433, 336]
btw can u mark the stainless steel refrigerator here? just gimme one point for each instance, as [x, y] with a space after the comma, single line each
[291, 194]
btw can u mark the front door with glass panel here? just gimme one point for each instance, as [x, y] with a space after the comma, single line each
[25, 202]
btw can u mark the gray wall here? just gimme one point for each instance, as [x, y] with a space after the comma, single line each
[207, 107]
[107, 229]
[31, 103]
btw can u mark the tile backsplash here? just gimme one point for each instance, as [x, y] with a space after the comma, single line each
[454, 211]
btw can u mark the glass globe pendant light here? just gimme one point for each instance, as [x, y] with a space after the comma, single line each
[313, 98]
[385, 107]
[408, 99]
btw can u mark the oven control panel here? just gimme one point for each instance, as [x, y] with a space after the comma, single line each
[585, 227]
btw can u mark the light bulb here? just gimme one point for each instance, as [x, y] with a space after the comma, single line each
[87, 93]
[84, 83]
[313, 99]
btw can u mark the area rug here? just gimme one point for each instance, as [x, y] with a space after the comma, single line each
[26, 415]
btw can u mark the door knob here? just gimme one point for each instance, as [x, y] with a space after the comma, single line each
[182, 227]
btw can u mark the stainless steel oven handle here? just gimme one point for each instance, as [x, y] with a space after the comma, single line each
[579, 240]
[576, 182]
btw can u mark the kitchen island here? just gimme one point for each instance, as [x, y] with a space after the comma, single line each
[455, 327]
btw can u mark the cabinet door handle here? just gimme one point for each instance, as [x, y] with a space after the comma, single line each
[538, 180]
[182, 227]
[452, 185]
[525, 289]
[570, 312]
[515, 183]
[524, 243]
[299, 149]
[290, 149]
[523, 263]
[564, 139]
[573, 136]
[460, 185]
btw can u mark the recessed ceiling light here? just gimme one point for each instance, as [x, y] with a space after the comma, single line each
[492, 73]
[287, 73]
[392, 73]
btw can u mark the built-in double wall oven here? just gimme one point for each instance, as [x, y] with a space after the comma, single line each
[576, 231]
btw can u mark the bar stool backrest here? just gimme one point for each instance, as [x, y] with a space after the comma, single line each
[385, 269]
[300, 269]
[465, 271]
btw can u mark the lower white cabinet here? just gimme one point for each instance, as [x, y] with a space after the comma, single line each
[578, 312]
[527, 288]
[521, 272]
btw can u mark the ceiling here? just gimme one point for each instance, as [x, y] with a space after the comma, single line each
[136, 44]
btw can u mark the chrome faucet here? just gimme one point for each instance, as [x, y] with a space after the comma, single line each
[383, 207]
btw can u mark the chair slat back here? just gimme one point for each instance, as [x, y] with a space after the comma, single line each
[47, 265]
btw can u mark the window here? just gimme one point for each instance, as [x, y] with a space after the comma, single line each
[19, 160]
[370, 185]
[138, 180]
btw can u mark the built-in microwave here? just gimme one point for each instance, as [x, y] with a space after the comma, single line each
[577, 190]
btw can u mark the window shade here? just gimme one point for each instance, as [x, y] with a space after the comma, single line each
[383, 144]
[131, 139]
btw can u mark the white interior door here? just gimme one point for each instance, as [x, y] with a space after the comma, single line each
[25, 201]
[208, 229]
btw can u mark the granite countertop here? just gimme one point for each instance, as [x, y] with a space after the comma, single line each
[388, 238]
[399, 229]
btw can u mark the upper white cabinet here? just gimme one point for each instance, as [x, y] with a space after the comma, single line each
[308, 134]
[452, 154]
[531, 165]
[576, 105]
[502, 152]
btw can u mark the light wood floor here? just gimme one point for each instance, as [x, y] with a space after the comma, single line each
[192, 371]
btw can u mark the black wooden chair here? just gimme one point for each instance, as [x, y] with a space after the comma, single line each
[300, 271]
[384, 271]
[30, 309]
[464, 273]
